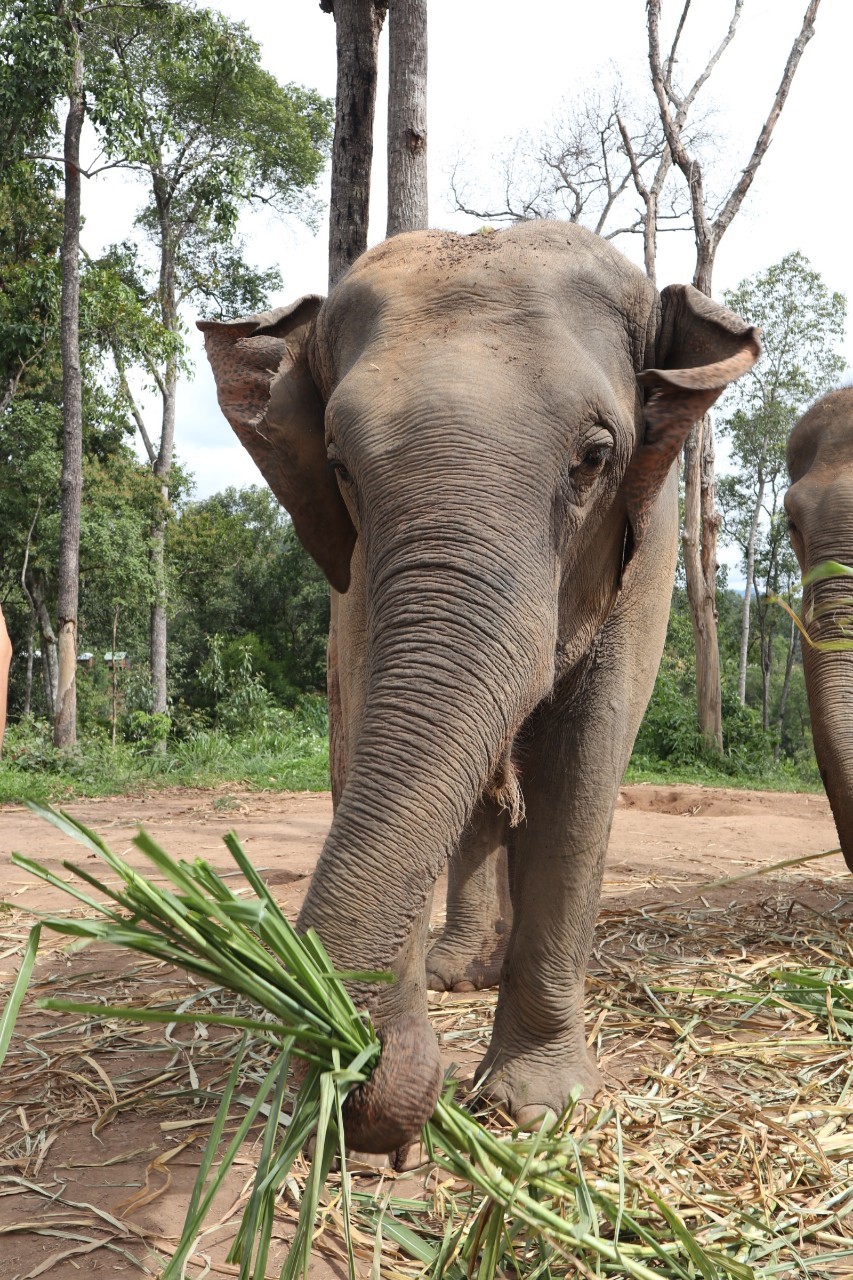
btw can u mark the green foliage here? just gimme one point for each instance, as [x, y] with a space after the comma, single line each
[181, 97]
[34, 44]
[30, 235]
[242, 575]
[669, 746]
[292, 756]
[802, 324]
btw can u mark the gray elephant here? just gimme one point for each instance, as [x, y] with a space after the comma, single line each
[474, 436]
[819, 504]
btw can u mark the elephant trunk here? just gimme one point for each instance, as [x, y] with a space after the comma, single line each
[459, 656]
[829, 683]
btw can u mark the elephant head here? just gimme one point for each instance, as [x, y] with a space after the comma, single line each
[819, 504]
[477, 429]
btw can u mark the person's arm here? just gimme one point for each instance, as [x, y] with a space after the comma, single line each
[5, 660]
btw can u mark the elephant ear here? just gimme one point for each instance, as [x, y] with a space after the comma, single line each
[266, 392]
[700, 348]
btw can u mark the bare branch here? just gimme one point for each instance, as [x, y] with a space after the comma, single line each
[736, 198]
[24, 586]
[636, 228]
[691, 169]
[690, 98]
[123, 163]
[155, 374]
[12, 385]
[642, 189]
[670, 62]
[134, 409]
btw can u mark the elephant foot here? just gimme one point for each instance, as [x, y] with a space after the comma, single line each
[535, 1087]
[388, 1111]
[403, 1160]
[454, 964]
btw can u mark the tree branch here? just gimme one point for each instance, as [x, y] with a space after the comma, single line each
[642, 189]
[24, 586]
[736, 198]
[134, 408]
[670, 62]
[124, 163]
[691, 169]
[12, 385]
[688, 101]
[155, 374]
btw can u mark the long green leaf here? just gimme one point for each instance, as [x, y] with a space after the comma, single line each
[19, 989]
[827, 569]
[192, 1223]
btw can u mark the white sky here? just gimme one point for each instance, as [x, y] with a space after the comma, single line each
[496, 69]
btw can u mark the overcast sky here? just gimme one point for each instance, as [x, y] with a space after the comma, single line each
[497, 69]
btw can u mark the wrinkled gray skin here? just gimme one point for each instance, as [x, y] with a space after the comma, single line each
[501, 414]
[819, 504]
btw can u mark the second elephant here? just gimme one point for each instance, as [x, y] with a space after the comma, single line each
[819, 504]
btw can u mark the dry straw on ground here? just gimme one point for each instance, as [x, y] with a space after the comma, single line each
[725, 1030]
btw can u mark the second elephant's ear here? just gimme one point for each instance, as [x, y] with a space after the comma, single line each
[700, 348]
[266, 392]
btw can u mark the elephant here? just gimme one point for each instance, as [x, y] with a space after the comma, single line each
[819, 505]
[474, 436]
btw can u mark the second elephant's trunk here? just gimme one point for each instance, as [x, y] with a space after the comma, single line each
[829, 681]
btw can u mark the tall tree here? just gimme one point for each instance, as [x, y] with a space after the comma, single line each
[43, 60]
[111, 322]
[210, 131]
[802, 322]
[408, 204]
[71, 481]
[701, 520]
[357, 27]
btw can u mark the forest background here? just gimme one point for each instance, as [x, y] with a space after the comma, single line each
[175, 114]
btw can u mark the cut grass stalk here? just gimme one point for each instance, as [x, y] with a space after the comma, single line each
[531, 1187]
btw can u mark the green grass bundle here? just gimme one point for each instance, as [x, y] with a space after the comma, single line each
[532, 1207]
[840, 609]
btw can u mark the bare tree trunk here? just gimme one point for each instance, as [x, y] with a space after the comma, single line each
[747, 592]
[700, 568]
[115, 677]
[701, 572]
[766, 668]
[357, 27]
[31, 626]
[28, 679]
[408, 208]
[673, 107]
[71, 483]
[162, 469]
[49, 664]
[786, 685]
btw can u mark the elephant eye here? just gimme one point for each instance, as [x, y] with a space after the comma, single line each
[340, 470]
[592, 461]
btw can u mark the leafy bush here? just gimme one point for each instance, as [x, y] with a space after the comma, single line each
[146, 728]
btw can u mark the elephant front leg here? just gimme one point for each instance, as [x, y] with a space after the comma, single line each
[578, 748]
[538, 1052]
[470, 951]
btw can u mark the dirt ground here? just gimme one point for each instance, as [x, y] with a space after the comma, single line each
[102, 1124]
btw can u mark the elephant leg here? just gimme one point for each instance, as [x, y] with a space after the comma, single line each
[578, 746]
[470, 951]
